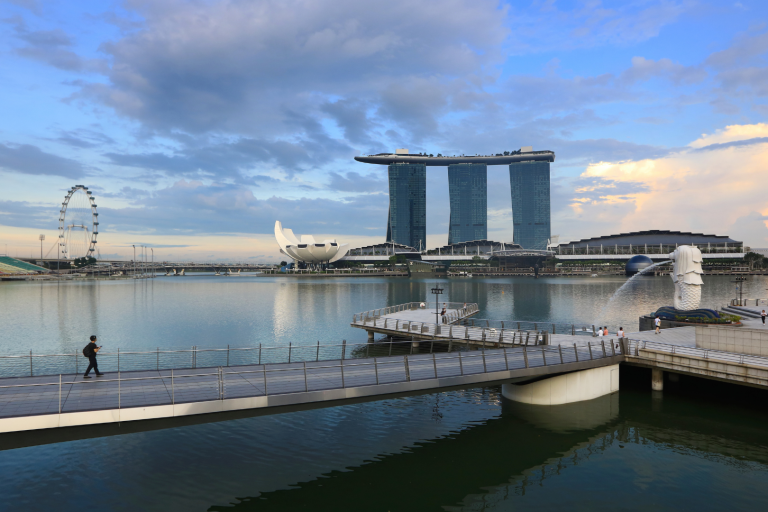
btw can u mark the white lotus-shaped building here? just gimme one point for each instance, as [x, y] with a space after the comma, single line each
[308, 250]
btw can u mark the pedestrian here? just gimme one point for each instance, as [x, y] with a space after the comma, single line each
[657, 323]
[620, 334]
[600, 331]
[442, 314]
[605, 331]
[90, 352]
[763, 315]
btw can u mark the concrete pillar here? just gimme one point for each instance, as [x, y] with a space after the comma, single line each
[657, 379]
[370, 336]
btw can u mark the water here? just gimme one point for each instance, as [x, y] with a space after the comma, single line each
[460, 450]
[629, 282]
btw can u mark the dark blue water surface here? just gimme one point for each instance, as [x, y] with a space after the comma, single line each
[698, 445]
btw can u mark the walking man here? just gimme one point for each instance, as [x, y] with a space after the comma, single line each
[657, 323]
[763, 315]
[90, 352]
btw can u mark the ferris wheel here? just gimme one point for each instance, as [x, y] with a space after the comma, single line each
[78, 223]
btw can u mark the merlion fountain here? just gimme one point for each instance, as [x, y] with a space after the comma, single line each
[686, 274]
[687, 277]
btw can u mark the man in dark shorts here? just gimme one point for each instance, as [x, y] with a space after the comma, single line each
[90, 350]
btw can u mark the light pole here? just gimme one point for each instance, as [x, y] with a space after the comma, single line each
[153, 261]
[436, 291]
[42, 237]
[134, 262]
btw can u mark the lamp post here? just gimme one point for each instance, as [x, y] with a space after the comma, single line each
[153, 261]
[437, 291]
[134, 262]
[42, 237]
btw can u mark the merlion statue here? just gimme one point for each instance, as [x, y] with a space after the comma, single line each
[687, 277]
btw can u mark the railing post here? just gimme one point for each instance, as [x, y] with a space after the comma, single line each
[525, 356]
[290, 348]
[306, 385]
[554, 331]
[431, 346]
[265, 379]
[589, 346]
[450, 345]
[343, 349]
[560, 349]
[576, 352]
[485, 369]
[158, 358]
[506, 362]
[30, 363]
[227, 354]
[342, 374]
[613, 348]
[544, 355]
[119, 404]
[602, 342]
[461, 366]
[434, 363]
[260, 354]
[573, 330]
[173, 390]
[118, 359]
[76, 365]
[59, 393]
[390, 346]
[317, 358]
[376, 369]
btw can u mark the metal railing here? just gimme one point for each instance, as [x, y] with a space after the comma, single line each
[456, 310]
[749, 302]
[174, 386]
[635, 346]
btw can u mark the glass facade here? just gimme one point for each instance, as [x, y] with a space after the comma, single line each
[407, 223]
[468, 190]
[530, 204]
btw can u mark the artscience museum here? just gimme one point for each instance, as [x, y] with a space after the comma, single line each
[305, 249]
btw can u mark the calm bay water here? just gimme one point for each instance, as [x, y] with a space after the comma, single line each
[461, 450]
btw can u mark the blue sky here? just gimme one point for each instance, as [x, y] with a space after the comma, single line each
[198, 124]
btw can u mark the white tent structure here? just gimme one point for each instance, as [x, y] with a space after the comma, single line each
[307, 249]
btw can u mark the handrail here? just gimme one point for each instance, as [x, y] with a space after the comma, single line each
[635, 346]
[413, 368]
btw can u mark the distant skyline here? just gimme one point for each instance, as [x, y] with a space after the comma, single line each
[198, 124]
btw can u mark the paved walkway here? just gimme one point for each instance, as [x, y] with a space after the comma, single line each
[27, 396]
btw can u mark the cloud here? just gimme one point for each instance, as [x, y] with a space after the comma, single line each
[52, 47]
[235, 66]
[28, 159]
[687, 190]
[355, 182]
[643, 69]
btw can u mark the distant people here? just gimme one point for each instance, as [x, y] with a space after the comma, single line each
[657, 323]
[90, 352]
[600, 331]
[605, 331]
[442, 314]
[620, 334]
[763, 315]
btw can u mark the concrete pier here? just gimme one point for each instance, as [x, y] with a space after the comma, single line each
[566, 389]
[657, 379]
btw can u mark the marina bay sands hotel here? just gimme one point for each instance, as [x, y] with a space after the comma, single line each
[468, 191]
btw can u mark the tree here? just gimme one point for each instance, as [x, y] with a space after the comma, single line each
[754, 260]
[82, 262]
[283, 263]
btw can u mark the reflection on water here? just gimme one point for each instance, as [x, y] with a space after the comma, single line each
[459, 450]
[208, 311]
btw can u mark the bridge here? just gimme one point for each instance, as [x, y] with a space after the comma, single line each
[48, 392]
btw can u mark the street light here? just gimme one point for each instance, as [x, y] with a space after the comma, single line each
[134, 262]
[153, 261]
[436, 291]
[42, 237]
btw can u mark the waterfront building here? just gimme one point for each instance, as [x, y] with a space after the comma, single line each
[306, 249]
[468, 191]
[407, 222]
[530, 203]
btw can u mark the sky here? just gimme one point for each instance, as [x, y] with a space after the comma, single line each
[198, 124]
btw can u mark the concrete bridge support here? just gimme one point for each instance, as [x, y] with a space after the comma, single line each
[370, 336]
[657, 379]
[565, 389]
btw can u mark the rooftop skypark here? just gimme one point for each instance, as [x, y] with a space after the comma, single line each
[402, 156]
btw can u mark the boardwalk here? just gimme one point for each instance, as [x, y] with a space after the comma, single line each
[28, 403]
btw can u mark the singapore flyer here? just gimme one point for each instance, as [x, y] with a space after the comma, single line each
[78, 224]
